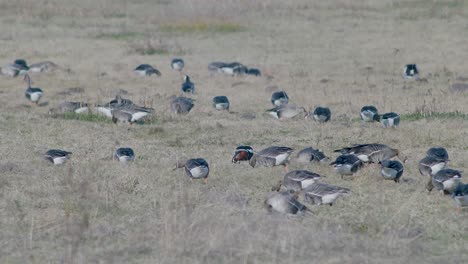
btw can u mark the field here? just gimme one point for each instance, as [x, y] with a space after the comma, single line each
[341, 54]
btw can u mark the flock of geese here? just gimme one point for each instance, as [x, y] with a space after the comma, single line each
[296, 185]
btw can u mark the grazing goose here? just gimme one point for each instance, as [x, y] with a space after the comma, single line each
[372, 153]
[446, 180]
[44, 66]
[146, 70]
[322, 114]
[438, 153]
[116, 103]
[460, 195]
[221, 102]
[322, 193]
[177, 64]
[187, 85]
[279, 98]
[254, 72]
[181, 105]
[234, 68]
[14, 69]
[430, 165]
[284, 202]
[57, 156]
[130, 114]
[286, 111]
[242, 153]
[310, 154]
[272, 156]
[347, 164]
[33, 94]
[390, 120]
[124, 155]
[195, 168]
[216, 66]
[369, 114]
[391, 170]
[411, 71]
[297, 180]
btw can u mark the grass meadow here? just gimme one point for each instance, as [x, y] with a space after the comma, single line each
[341, 54]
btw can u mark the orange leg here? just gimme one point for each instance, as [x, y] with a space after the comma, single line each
[286, 169]
[205, 180]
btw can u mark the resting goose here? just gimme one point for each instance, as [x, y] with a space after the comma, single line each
[242, 153]
[446, 180]
[286, 111]
[124, 155]
[310, 154]
[32, 94]
[372, 153]
[272, 156]
[322, 193]
[347, 164]
[195, 168]
[390, 120]
[146, 70]
[369, 114]
[279, 98]
[187, 85]
[391, 170]
[284, 202]
[177, 64]
[181, 105]
[57, 156]
[322, 114]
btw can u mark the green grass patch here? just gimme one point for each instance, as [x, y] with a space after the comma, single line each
[203, 26]
[89, 117]
[434, 115]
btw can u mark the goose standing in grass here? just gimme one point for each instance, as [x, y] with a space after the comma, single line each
[460, 195]
[195, 168]
[430, 166]
[286, 111]
[297, 180]
[369, 114]
[272, 156]
[43, 66]
[347, 164]
[124, 155]
[57, 156]
[391, 119]
[146, 70]
[391, 170]
[254, 72]
[177, 64]
[32, 94]
[372, 153]
[221, 102]
[411, 71]
[181, 105]
[446, 180]
[188, 86]
[310, 154]
[438, 153]
[322, 114]
[242, 153]
[279, 98]
[284, 202]
[322, 193]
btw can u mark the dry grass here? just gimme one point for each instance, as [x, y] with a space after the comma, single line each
[339, 54]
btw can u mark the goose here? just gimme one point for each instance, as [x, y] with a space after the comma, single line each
[76, 107]
[32, 94]
[146, 70]
[446, 180]
[322, 193]
[430, 165]
[124, 155]
[272, 156]
[116, 103]
[322, 114]
[130, 114]
[187, 85]
[372, 153]
[297, 180]
[43, 66]
[347, 164]
[286, 111]
[391, 170]
[195, 168]
[369, 114]
[279, 98]
[439, 153]
[181, 105]
[177, 64]
[216, 66]
[57, 156]
[221, 102]
[310, 154]
[390, 120]
[460, 196]
[234, 68]
[242, 153]
[254, 72]
[411, 71]
[14, 69]
[284, 202]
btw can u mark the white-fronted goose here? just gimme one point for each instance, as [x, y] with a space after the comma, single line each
[347, 164]
[322, 193]
[446, 180]
[195, 168]
[221, 102]
[298, 179]
[32, 94]
[146, 70]
[57, 156]
[181, 105]
[124, 155]
[391, 170]
[279, 98]
[372, 153]
[272, 156]
[242, 153]
[284, 202]
[177, 64]
[310, 154]
[369, 114]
